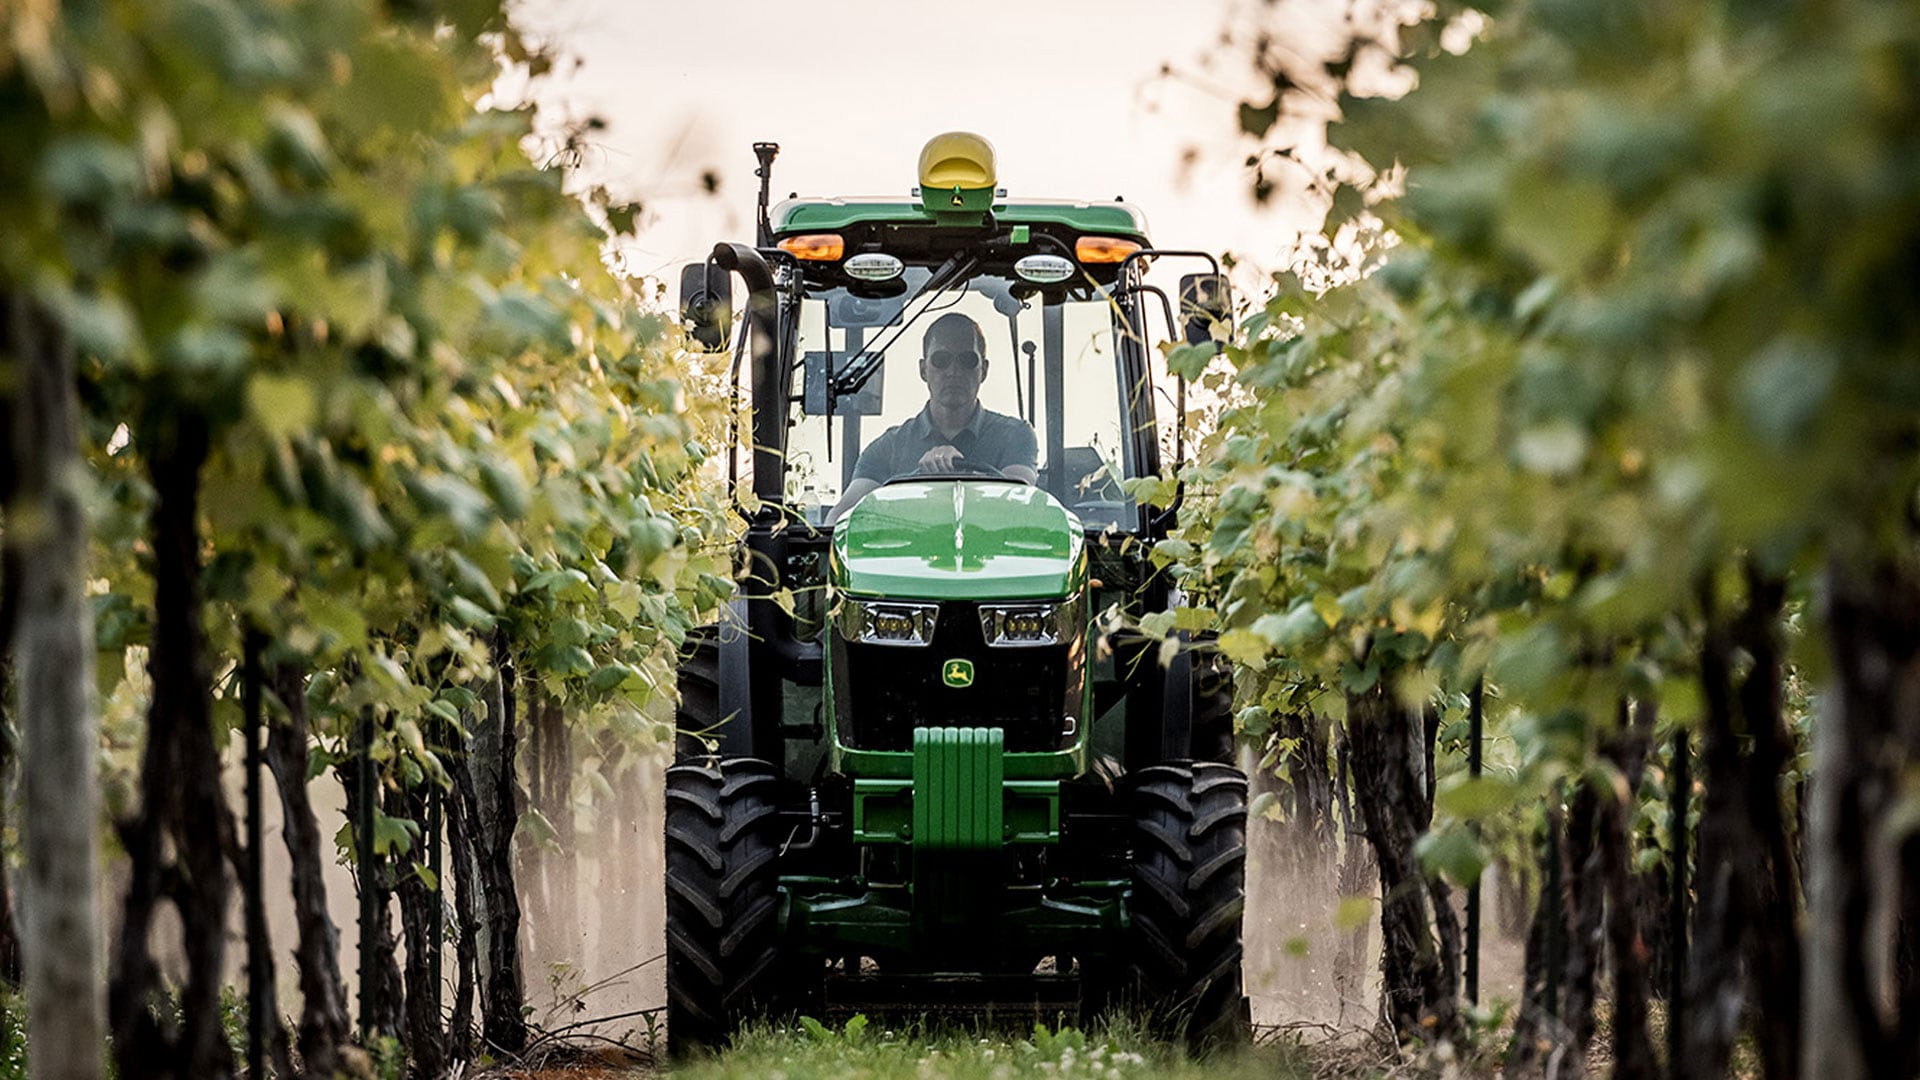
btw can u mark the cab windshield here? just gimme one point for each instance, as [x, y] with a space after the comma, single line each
[1054, 361]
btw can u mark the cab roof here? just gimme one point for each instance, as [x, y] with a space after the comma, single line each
[794, 216]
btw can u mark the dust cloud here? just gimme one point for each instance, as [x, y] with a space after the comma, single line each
[1313, 950]
[607, 964]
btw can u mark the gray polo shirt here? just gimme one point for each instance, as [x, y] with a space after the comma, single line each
[990, 438]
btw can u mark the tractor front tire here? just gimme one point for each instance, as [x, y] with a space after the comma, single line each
[722, 899]
[1189, 896]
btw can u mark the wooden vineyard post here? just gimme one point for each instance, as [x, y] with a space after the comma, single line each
[258, 1006]
[1678, 803]
[435, 821]
[1475, 734]
[1555, 896]
[364, 856]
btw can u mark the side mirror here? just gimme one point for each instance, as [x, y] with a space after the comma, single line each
[1204, 300]
[706, 304]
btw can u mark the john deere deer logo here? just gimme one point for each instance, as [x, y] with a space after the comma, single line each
[957, 673]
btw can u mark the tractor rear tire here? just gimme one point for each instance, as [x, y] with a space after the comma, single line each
[722, 899]
[1189, 897]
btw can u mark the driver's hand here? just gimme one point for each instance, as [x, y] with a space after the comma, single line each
[940, 458]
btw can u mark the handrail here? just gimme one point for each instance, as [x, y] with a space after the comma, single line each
[768, 381]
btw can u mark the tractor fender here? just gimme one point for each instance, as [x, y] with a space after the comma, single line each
[735, 689]
[1197, 721]
[1176, 714]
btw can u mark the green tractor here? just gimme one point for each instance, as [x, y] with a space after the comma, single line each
[922, 762]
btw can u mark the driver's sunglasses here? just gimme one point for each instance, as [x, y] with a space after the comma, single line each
[953, 358]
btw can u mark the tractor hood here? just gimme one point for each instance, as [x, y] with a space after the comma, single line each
[959, 540]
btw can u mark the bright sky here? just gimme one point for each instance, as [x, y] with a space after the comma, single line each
[1070, 93]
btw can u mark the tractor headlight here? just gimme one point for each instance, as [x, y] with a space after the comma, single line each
[888, 622]
[1032, 624]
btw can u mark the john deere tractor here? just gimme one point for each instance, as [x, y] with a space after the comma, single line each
[924, 762]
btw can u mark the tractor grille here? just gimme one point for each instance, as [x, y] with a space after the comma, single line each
[883, 692]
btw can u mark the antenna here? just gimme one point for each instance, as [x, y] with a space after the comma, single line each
[766, 152]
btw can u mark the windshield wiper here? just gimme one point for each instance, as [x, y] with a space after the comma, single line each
[862, 365]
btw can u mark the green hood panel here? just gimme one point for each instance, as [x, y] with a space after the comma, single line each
[959, 540]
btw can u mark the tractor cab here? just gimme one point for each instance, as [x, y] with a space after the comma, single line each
[1056, 287]
[1059, 353]
[915, 766]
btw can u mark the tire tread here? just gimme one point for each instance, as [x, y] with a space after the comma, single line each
[722, 897]
[1189, 899]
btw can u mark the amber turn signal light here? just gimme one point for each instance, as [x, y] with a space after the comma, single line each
[1103, 249]
[818, 247]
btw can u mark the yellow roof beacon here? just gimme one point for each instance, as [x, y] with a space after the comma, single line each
[957, 175]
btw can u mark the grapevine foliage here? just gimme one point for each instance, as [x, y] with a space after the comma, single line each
[1618, 335]
[442, 435]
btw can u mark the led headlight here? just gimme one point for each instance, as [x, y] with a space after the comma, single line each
[1031, 624]
[888, 622]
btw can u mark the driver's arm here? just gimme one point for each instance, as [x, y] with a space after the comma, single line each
[874, 466]
[855, 492]
[1025, 454]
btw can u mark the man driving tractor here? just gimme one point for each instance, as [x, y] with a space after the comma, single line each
[954, 427]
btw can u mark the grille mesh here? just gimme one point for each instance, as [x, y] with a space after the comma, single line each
[884, 692]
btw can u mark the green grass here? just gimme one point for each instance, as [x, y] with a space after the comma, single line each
[13, 1036]
[866, 1051]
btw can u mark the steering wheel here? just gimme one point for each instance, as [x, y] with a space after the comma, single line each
[962, 466]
